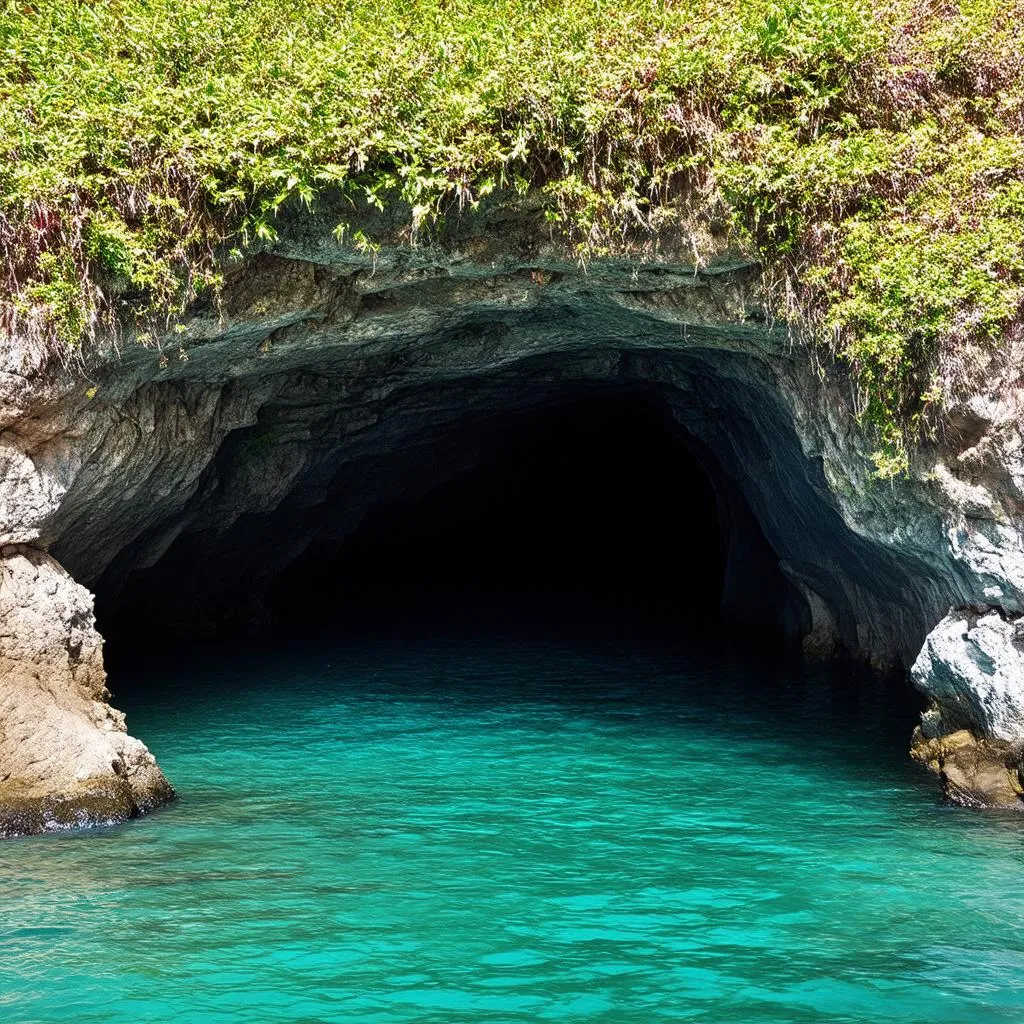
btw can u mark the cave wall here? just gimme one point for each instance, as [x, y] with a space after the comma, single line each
[266, 442]
[327, 380]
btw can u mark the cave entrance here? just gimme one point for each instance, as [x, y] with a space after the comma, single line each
[595, 507]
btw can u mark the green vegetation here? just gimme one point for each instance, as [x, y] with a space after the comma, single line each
[870, 153]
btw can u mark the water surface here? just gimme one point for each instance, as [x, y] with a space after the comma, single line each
[484, 828]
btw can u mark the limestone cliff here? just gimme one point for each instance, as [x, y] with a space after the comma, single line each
[327, 379]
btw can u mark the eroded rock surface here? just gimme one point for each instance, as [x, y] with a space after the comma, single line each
[974, 772]
[65, 758]
[972, 669]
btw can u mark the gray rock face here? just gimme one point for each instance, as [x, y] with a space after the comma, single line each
[329, 379]
[972, 668]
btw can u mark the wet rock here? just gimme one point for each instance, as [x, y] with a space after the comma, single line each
[972, 735]
[974, 772]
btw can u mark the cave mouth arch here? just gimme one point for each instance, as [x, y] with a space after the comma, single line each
[585, 505]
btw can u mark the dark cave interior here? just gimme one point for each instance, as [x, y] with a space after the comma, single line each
[592, 507]
[590, 500]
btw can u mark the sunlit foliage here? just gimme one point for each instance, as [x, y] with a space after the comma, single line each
[870, 154]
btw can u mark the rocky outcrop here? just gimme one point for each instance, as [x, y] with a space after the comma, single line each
[972, 669]
[329, 379]
[65, 756]
[974, 772]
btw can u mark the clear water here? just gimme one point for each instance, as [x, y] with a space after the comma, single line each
[508, 830]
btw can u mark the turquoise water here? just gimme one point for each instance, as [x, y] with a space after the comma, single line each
[508, 830]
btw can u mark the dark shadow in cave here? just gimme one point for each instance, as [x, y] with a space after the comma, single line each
[594, 504]
[594, 512]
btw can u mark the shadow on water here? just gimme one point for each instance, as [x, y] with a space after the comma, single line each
[589, 657]
[672, 819]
